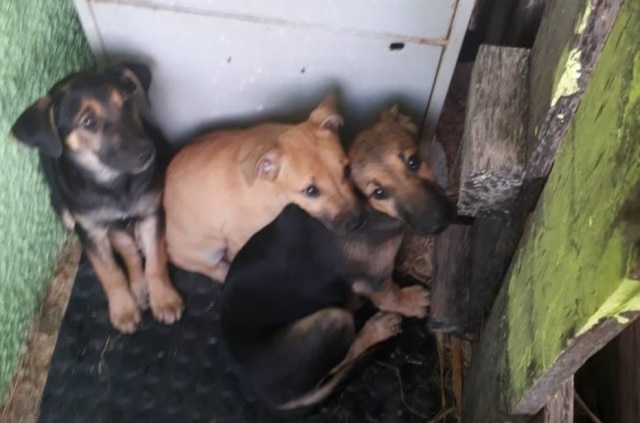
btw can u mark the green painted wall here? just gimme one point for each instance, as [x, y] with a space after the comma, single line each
[40, 42]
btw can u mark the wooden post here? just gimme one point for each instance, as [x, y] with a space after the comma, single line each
[493, 241]
[524, 22]
[493, 144]
[559, 408]
[492, 171]
[609, 383]
[450, 291]
[569, 289]
[628, 400]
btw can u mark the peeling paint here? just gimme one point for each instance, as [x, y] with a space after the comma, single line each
[623, 300]
[568, 82]
[582, 23]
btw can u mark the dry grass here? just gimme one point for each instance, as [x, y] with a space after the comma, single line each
[415, 257]
[23, 398]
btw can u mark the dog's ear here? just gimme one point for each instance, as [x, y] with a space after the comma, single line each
[136, 77]
[262, 162]
[394, 115]
[326, 116]
[36, 127]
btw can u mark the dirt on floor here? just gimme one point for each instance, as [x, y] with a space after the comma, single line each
[23, 395]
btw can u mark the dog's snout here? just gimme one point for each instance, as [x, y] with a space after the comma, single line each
[442, 212]
[433, 214]
[438, 221]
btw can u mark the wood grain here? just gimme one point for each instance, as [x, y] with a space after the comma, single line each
[493, 150]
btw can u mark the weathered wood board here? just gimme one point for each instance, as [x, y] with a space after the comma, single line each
[568, 290]
[524, 21]
[557, 80]
[493, 241]
[571, 36]
[493, 144]
[628, 389]
[559, 409]
[609, 383]
[450, 289]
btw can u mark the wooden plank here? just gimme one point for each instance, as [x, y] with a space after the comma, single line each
[565, 23]
[628, 390]
[568, 290]
[571, 36]
[559, 408]
[609, 383]
[498, 21]
[493, 150]
[489, 263]
[523, 23]
[450, 294]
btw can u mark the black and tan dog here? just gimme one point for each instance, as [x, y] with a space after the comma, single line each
[287, 320]
[104, 165]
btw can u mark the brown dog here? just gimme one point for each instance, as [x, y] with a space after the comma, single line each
[104, 165]
[287, 305]
[226, 186]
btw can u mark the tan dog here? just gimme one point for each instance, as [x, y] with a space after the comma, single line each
[227, 185]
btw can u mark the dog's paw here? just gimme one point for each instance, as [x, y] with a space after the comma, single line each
[124, 312]
[413, 301]
[166, 304]
[382, 326]
[140, 291]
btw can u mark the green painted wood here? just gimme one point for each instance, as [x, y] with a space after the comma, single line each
[568, 44]
[568, 290]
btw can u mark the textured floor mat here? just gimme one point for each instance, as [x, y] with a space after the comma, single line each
[176, 373]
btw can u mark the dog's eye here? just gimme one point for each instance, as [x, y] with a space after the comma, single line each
[380, 194]
[311, 191]
[89, 123]
[414, 162]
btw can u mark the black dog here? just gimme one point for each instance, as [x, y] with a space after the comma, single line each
[104, 165]
[287, 304]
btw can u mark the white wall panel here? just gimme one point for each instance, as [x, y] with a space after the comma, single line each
[225, 61]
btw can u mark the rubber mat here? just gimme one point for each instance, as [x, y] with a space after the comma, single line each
[177, 374]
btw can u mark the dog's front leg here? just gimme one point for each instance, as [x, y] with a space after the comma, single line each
[411, 301]
[166, 303]
[124, 244]
[123, 310]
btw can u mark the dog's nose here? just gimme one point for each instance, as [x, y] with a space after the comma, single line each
[437, 219]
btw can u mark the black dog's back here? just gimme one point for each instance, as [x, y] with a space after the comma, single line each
[280, 308]
[286, 271]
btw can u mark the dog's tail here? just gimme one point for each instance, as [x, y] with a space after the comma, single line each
[325, 387]
[321, 392]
